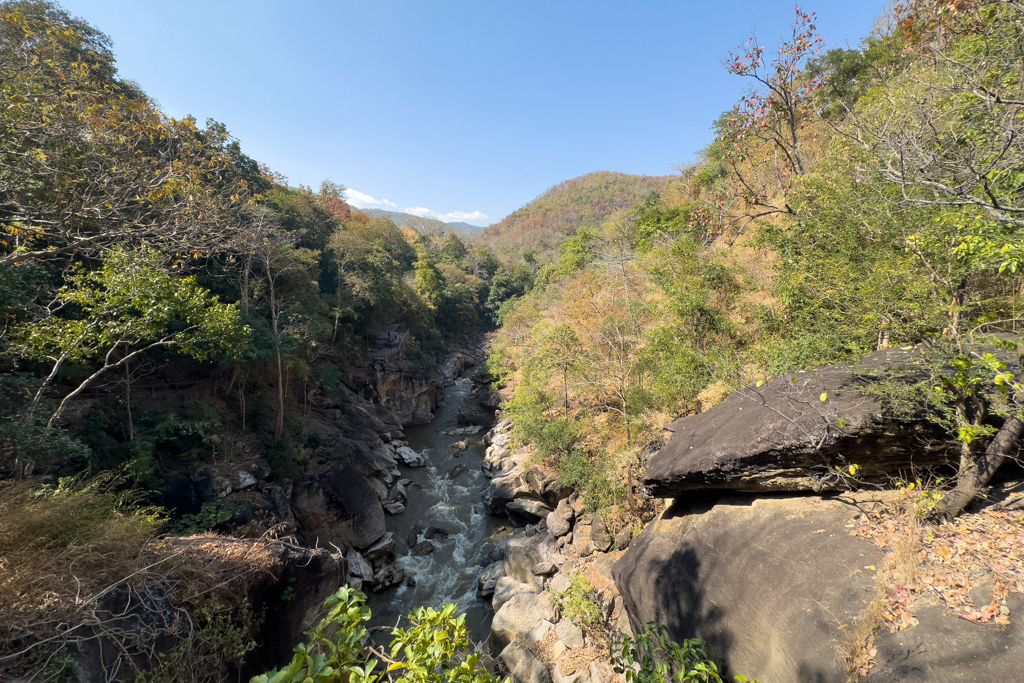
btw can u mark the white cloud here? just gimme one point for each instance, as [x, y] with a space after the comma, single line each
[365, 201]
[454, 216]
[361, 200]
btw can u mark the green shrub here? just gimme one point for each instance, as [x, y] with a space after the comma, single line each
[220, 637]
[285, 459]
[581, 603]
[653, 657]
[434, 649]
[208, 517]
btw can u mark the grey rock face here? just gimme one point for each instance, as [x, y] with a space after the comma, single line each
[410, 457]
[381, 551]
[530, 508]
[704, 574]
[523, 553]
[557, 524]
[570, 634]
[209, 485]
[523, 665]
[544, 569]
[559, 583]
[599, 536]
[387, 576]
[489, 579]
[282, 508]
[358, 565]
[623, 536]
[517, 619]
[505, 588]
[338, 506]
[783, 437]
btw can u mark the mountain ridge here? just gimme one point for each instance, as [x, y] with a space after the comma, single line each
[559, 211]
[408, 220]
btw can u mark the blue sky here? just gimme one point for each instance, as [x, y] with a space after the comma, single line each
[457, 110]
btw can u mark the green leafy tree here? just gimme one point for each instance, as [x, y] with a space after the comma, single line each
[86, 161]
[429, 281]
[130, 305]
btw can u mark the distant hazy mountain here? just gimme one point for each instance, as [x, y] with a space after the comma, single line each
[465, 227]
[419, 223]
[550, 218]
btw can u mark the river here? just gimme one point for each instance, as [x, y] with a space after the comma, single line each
[450, 573]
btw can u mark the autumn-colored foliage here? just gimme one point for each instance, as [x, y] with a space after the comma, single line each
[588, 200]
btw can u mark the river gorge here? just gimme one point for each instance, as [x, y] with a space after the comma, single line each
[444, 509]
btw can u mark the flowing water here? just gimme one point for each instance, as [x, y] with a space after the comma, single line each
[450, 573]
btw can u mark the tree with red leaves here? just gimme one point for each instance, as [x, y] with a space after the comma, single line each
[768, 121]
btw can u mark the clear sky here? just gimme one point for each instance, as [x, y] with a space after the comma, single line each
[458, 110]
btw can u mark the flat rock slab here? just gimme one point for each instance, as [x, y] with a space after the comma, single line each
[768, 582]
[945, 649]
[765, 583]
[782, 436]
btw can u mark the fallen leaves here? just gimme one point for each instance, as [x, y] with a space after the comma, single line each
[980, 550]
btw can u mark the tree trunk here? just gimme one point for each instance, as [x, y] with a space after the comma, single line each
[241, 403]
[974, 476]
[128, 400]
[565, 386]
[280, 400]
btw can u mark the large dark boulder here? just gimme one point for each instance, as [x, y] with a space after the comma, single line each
[478, 408]
[338, 506]
[782, 436]
[132, 630]
[773, 585]
[303, 579]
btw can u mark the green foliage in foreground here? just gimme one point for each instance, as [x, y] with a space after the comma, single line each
[653, 657]
[434, 650]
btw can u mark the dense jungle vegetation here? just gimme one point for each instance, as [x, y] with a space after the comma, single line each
[853, 200]
[141, 254]
[133, 240]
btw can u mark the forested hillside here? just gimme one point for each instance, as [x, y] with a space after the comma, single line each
[169, 301]
[540, 226]
[431, 225]
[855, 199]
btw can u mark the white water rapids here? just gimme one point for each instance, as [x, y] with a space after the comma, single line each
[450, 573]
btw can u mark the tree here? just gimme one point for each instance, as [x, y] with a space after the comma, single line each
[762, 136]
[429, 281]
[561, 350]
[909, 228]
[130, 305]
[87, 162]
[947, 131]
[273, 252]
[434, 649]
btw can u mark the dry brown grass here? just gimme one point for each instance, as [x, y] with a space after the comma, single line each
[63, 549]
[901, 567]
[936, 564]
